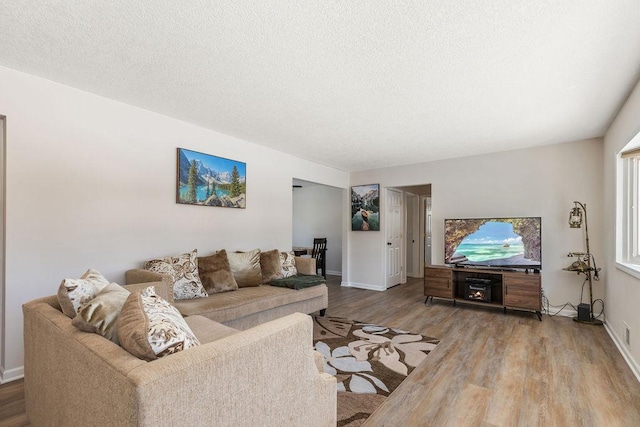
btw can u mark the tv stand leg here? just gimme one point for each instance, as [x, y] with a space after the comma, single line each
[454, 303]
[504, 310]
[539, 315]
[426, 300]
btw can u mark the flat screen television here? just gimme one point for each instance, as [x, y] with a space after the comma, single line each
[494, 242]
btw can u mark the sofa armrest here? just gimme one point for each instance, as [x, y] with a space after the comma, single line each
[266, 376]
[163, 286]
[63, 365]
[306, 265]
[139, 275]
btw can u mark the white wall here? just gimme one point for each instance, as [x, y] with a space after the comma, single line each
[317, 212]
[91, 183]
[623, 290]
[541, 181]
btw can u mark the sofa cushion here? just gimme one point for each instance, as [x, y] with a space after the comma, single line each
[246, 301]
[270, 265]
[245, 267]
[288, 264]
[73, 293]
[149, 327]
[215, 273]
[184, 270]
[100, 315]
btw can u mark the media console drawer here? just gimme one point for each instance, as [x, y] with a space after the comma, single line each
[438, 282]
[522, 291]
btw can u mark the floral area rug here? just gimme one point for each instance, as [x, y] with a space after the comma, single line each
[369, 361]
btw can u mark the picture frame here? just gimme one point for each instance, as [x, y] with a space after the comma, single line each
[365, 207]
[208, 180]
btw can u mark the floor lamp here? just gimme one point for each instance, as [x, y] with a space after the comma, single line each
[584, 263]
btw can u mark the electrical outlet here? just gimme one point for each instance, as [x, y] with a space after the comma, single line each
[627, 334]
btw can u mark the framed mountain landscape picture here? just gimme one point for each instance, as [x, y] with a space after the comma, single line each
[365, 207]
[207, 180]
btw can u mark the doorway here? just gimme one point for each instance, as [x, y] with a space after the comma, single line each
[395, 239]
[415, 238]
[317, 212]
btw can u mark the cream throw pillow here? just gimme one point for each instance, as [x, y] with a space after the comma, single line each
[245, 267]
[149, 327]
[100, 315]
[288, 264]
[184, 270]
[74, 293]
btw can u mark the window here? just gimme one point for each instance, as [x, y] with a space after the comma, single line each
[628, 235]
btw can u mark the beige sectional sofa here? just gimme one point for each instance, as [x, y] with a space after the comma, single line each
[267, 375]
[249, 306]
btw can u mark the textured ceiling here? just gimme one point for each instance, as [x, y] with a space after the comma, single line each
[350, 84]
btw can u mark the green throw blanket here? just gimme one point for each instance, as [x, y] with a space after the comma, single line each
[300, 281]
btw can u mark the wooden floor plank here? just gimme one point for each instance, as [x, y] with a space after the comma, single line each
[490, 369]
[551, 373]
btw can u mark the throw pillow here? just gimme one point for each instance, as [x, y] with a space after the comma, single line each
[245, 267]
[270, 265]
[288, 264]
[215, 273]
[73, 293]
[149, 327]
[184, 270]
[100, 315]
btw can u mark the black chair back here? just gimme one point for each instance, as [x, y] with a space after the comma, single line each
[319, 253]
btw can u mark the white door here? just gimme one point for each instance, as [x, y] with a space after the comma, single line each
[394, 238]
[412, 235]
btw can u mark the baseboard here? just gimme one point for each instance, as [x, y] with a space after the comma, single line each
[11, 374]
[635, 368]
[334, 273]
[364, 286]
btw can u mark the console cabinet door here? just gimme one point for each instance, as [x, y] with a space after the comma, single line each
[522, 291]
[438, 282]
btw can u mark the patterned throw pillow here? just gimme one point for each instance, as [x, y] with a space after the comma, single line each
[149, 327]
[100, 315]
[288, 264]
[245, 267]
[184, 270]
[74, 293]
[215, 273]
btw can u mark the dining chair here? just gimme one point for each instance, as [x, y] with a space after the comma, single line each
[319, 253]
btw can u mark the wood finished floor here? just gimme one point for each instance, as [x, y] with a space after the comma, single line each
[490, 369]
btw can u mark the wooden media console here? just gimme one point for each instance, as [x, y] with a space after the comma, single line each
[520, 290]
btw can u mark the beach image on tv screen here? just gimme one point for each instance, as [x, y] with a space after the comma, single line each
[503, 242]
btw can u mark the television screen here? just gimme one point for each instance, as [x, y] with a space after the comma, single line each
[494, 242]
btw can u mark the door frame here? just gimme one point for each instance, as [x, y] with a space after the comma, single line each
[412, 211]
